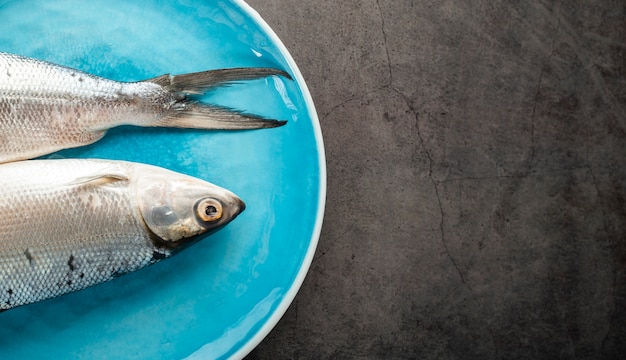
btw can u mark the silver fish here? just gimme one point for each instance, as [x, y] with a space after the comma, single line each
[46, 107]
[72, 223]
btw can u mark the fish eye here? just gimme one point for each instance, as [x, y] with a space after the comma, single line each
[209, 210]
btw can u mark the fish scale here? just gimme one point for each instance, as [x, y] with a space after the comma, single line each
[84, 222]
[30, 249]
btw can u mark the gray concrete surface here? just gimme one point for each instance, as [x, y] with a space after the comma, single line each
[476, 158]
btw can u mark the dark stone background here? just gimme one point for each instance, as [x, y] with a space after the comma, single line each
[476, 156]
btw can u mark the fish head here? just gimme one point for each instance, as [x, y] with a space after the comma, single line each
[177, 208]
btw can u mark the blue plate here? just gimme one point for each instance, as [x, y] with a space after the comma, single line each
[222, 296]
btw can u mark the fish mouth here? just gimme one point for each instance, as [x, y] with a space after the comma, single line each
[241, 205]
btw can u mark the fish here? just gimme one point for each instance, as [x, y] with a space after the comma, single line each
[46, 107]
[68, 224]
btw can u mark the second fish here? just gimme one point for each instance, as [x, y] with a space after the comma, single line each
[46, 107]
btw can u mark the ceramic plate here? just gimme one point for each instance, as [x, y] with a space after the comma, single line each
[219, 298]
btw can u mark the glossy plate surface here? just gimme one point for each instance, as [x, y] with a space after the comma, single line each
[219, 298]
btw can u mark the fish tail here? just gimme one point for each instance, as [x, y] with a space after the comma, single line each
[188, 113]
[200, 116]
[201, 82]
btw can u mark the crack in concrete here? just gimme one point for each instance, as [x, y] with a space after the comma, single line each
[388, 85]
[441, 229]
[481, 178]
[434, 182]
[611, 316]
[431, 163]
[332, 242]
[533, 117]
[354, 98]
[607, 336]
[440, 205]
[384, 32]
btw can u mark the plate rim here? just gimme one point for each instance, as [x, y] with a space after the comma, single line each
[290, 295]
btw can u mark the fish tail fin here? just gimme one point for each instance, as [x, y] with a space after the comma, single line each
[187, 113]
[200, 116]
[200, 82]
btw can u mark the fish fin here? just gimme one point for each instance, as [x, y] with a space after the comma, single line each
[186, 113]
[200, 116]
[99, 179]
[199, 82]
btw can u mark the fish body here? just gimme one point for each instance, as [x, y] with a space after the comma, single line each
[69, 224]
[46, 107]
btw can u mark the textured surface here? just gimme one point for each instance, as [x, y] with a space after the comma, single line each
[476, 179]
[57, 237]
